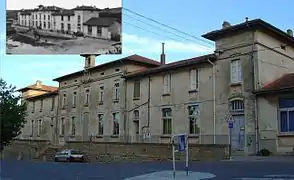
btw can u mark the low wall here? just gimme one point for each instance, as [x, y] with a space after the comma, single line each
[108, 152]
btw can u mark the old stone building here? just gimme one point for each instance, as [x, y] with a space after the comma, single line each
[135, 99]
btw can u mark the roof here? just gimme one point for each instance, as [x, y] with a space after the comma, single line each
[253, 24]
[101, 21]
[86, 8]
[284, 83]
[41, 87]
[131, 59]
[42, 96]
[111, 12]
[64, 13]
[171, 66]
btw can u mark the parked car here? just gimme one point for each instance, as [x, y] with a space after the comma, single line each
[69, 155]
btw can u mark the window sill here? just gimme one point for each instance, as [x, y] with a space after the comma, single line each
[100, 103]
[166, 94]
[114, 136]
[193, 136]
[193, 91]
[236, 84]
[165, 136]
[136, 98]
[99, 136]
[290, 134]
[115, 101]
[86, 105]
[135, 120]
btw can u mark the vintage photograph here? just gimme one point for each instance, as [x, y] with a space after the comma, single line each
[64, 28]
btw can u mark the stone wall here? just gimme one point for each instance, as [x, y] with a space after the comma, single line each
[109, 152]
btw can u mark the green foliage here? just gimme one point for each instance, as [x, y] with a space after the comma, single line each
[264, 152]
[12, 113]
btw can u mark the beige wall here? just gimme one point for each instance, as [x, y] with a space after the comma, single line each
[32, 93]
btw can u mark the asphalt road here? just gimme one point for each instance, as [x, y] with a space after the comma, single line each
[21, 170]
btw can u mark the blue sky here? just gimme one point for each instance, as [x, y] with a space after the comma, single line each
[193, 16]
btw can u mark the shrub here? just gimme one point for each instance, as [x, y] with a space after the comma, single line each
[264, 152]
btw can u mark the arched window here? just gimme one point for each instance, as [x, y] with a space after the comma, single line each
[237, 105]
[136, 115]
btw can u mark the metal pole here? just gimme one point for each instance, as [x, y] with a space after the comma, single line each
[230, 144]
[174, 160]
[187, 156]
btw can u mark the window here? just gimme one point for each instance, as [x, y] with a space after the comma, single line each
[74, 99]
[116, 91]
[68, 18]
[49, 25]
[79, 28]
[62, 27]
[44, 17]
[167, 120]
[101, 94]
[49, 17]
[61, 18]
[237, 105]
[32, 128]
[62, 127]
[236, 71]
[286, 115]
[52, 103]
[193, 111]
[99, 30]
[79, 19]
[87, 94]
[33, 108]
[41, 105]
[63, 101]
[136, 115]
[44, 25]
[166, 84]
[100, 124]
[73, 126]
[39, 127]
[194, 79]
[90, 30]
[116, 118]
[137, 89]
[68, 27]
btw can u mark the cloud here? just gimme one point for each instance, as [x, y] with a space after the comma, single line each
[137, 44]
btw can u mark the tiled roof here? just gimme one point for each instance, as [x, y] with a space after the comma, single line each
[132, 59]
[86, 8]
[282, 83]
[53, 93]
[256, 24]
[42, 88]
[101, 21]
[171, 66]
[64, 13]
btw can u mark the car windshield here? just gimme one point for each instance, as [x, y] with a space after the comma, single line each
[75, 152]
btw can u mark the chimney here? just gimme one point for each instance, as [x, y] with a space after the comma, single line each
[90, 60]
[290, 32]
[226, 24]
[38, 83]
[162, 56]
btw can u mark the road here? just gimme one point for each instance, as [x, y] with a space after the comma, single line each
[21, 170]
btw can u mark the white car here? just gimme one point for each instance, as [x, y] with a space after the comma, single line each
[69, 155]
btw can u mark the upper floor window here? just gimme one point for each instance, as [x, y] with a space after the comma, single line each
[100, 124]
[52, 103]
[39, 127]
[44, 17]
[62, 127]
[74, 99]
[194, 79]
[136, 115]
[73, 126]
[68, 18]
[167, 120]
[101, 94]
[41, 105]
[79, 19]
[137, 89]
[61, 18]
[236, 71]
[166, 84]
[87, 96]
[63, 101]
[116, 91]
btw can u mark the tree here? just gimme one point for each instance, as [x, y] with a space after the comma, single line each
[12, 113]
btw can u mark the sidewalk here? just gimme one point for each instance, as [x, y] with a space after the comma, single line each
[261, 158]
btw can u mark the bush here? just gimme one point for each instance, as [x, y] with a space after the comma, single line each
[264, 152]
[79, 34]
[115, 37]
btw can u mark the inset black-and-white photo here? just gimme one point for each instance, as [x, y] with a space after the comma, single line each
[63, 27]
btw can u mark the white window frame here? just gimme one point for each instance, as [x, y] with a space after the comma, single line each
[101, 94]
[73, 127]
[100, 121]
[288, 119]
[236, 71]
[74, 99]
[166, 83]
[164, 118]
[87, 97]
[115, 120]
[195, 117]
[116, 91]
[194, 79]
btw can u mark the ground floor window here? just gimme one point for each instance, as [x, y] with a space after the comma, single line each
[167, 120]
[286, 111]
[116, 118]
[194, 127]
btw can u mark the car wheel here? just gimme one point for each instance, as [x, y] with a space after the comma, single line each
[82, 159]
[56, 159]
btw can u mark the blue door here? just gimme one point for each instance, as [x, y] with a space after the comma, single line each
[238, 133]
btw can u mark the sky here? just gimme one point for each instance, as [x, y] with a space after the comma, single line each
[30, 4]
[191, 16]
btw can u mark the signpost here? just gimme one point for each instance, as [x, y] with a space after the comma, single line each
[230, 121]
[180, 144]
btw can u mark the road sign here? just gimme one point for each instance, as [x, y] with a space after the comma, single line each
[182, 143]
[231, 124]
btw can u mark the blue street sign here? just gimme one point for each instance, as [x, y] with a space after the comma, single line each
[182, 143]
[231, 125]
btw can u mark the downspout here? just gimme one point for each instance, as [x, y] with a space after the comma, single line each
[148, 105]
[56, 120]
[214, 101]
[126, 127]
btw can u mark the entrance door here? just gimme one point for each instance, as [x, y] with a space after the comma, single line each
[238, 133]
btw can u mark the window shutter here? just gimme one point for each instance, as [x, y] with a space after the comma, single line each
[239, 71]
[234, 71]
[194, 79]
[165, 84]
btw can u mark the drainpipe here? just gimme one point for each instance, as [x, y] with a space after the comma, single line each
[56, 139]
[214, 101]
[126, 122]
[148, 117]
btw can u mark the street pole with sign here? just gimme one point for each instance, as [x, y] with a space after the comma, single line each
[230, 122]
